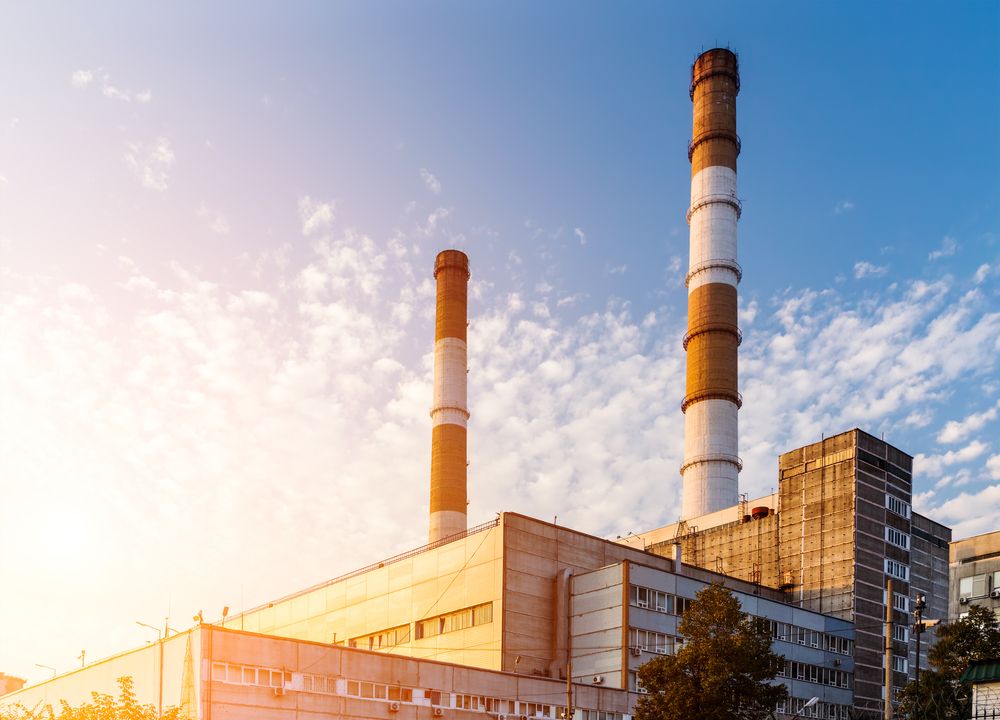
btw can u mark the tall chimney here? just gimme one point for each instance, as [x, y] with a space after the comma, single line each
[711, 462]
[450, 413]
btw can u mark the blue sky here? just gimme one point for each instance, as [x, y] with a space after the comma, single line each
[217, 229]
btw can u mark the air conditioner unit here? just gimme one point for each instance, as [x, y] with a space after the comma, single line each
[597, 679]
[636, 651]
[438, 712]
[963, 600]
[279, 691]
[995, 593]
[394, 707]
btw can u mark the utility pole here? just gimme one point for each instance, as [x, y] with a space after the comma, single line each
[569, 689]
[918, 627]
[888, 650]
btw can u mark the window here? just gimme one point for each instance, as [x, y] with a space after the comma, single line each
[973, 586]
[651, 641]
[897, 570]
[457, 620]
[899, 664]
[641, 597]
[897, 506]
[383, 639]
[897, 538]
[899, 601]
[901, 632]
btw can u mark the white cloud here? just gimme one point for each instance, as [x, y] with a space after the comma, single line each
[993, 467]
[949, 246]
[934, 465]
[151, 164]
[82, 78]
[433, 219]
[581, 235]
[865, 269]
[982, 272]
[431, 182]
[956, 430]
[618, 270]
[316, 216]
[843, 206]
[184, 406]
[217, 222]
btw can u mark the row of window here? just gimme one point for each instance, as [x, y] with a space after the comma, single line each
[457, 620]
[651, 641]
[643, 597]
[308, 682]
[647, 598]
[796, 707]
[897, 538]
[813, 673]
[383, 639]
[976, 586]
[252, 675]
[897, 570]
[812, 638]
[899, 507]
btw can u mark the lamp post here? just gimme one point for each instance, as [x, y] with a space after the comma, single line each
[918, 626]
[160, 636]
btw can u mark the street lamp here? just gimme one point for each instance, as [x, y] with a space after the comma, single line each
[160, 636]
[808, 704]
[159, 633]
[918, 626]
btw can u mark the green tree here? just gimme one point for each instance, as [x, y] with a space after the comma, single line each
[939, 695]
[101, 707]
[722, 672]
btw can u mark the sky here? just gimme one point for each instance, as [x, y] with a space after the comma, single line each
[217, 232]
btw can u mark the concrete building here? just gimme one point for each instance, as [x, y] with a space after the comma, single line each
[497, 615]
[974, 574]
[838, 527]
[211, 672]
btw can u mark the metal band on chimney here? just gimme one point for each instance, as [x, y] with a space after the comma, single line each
[449, 412]
[712, 399]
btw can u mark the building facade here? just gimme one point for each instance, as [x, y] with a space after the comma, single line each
[974, 574]
[510, 603]
[839, 527]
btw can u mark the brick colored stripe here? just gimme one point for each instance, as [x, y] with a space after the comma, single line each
[451, 269]
[448, 468]
[714, 86]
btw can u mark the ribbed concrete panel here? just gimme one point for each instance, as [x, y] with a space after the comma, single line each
[711, 463]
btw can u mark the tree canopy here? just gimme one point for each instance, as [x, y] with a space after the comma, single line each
[939, 695]
[723, 671]
[101, 707]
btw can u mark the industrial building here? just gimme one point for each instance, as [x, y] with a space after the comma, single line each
[490, 618]
[839, 525]
[975, 574]
[523, 617]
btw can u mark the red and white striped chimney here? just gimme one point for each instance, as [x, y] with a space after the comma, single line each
[711, 443]
[450, 412]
